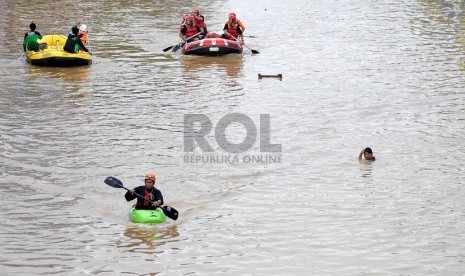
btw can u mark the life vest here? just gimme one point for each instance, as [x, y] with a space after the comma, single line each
[83, 37]
[148, 195]
[239, 22]
[191, 30]
[71, 45]
[200, 23]
[30, 42]
[233, 30]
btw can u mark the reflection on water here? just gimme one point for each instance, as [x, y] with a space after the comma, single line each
[146, 238]
[366, 168]
[231, 65]
[76, 75]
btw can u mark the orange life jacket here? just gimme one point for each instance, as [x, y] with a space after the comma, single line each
[83, 36]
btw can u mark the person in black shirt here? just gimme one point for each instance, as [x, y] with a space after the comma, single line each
[148, 192]
[74, 43]
[367, 153]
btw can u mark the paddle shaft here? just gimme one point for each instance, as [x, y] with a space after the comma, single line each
[192, 36]
[168, 48]
[252, 50]
[137, 195]
[247, 47]
[115, 183]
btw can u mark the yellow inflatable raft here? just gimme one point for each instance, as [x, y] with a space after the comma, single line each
[52, 53]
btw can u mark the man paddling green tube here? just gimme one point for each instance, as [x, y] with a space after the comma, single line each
[148, 192]
[167, 210]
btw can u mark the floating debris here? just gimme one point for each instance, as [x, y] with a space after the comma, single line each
[278, 76]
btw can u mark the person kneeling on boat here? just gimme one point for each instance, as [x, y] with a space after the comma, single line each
[74, 43]
[30, 39]
[232, 30]
[189, 30]
[148, 191]
[239, 22]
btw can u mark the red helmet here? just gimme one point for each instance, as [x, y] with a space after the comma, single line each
[232, 16]
[189, 17]
[196, 10]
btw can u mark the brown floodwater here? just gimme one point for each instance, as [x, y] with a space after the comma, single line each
[389, 75]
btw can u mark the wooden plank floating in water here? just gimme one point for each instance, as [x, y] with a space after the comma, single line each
[278, 76]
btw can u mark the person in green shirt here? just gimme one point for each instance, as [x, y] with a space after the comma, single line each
[30, 39]
[74, 43]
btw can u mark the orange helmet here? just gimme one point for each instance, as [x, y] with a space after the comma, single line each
[150, 176]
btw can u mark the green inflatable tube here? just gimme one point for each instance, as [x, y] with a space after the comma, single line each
[146, 216]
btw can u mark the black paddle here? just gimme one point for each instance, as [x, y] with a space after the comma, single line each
[179, 44]
[116, 183]
[168, 48]
[252, 50]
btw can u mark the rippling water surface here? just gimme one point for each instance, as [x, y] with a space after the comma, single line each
[385, 74]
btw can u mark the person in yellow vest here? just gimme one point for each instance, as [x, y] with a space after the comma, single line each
[239, 22]
[232, 30]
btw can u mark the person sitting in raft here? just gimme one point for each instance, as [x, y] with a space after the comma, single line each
[177, 46]
[232, 30]
[239, 22]
[74, 43]
[189, 30]
[148, 191]
[83, 33]
[200, 21]
[367, 153]
[183, 21]
[30, 39]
